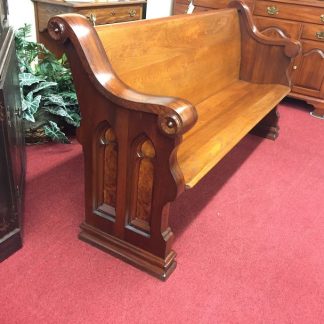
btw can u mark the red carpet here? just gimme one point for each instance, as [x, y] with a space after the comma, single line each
[249, 238]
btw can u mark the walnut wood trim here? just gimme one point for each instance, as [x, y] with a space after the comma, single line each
[176, 115]
[145, 239]
[259, 51]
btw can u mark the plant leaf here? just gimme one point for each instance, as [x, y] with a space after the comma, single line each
[30, 106]
[70, 116]
[54, 132]
[27, 79]
[44, 85]
[59, 111]
[28, 116]
[74, 118]
[55, 99]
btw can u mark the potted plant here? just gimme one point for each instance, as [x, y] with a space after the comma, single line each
[49, 102]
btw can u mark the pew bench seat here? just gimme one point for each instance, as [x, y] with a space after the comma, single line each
[162, 102]
[233, 111]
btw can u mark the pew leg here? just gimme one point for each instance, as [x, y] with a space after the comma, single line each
[268, 127]
[128, 189]
[157, 266]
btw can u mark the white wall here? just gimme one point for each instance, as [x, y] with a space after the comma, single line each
[158, 8]
[20, 12]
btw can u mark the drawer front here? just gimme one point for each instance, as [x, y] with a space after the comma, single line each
[109, 15]
[267, 27]
[308, 71]
[181, 6]
[45, 11]
[313, 32]
[211, 4]
[290, 11]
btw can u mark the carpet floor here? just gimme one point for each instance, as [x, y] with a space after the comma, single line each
[249, 238]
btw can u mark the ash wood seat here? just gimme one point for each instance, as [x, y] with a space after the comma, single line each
[233, 111]
[162, 101]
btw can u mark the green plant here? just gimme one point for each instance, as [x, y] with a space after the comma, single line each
[49, 100]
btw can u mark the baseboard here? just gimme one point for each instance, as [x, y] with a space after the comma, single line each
[158, 267]
[10, 244]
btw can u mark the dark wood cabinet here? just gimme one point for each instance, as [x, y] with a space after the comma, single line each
[12, 150]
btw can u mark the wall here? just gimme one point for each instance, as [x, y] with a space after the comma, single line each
[22, 11]
[158, 8]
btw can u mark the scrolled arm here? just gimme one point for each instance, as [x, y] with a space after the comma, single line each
[264, 59]
[291, 47]
[175, 115]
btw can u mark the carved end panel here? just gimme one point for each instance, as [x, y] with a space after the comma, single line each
[106, 175]
[142, 186]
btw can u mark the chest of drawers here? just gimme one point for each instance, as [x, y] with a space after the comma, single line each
[98, 12]
[181, 6]
[302, 20]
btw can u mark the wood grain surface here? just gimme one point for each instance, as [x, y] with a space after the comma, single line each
[179, 93]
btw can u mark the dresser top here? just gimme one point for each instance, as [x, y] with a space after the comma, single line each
[91, 3]
[311, 3]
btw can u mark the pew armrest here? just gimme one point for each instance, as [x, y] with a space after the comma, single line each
[175, 115]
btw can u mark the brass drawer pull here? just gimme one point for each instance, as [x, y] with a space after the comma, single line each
[319, 35]
[273, 10]
[132, 12]
[113, 13]
[92, 18]
[322, 18]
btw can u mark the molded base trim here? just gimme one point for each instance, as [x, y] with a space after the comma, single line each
[317, 113]
[10, 244]
[156, 266]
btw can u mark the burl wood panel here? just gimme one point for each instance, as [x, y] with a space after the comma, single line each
[143, 181]
[106, 171]
[176, 103]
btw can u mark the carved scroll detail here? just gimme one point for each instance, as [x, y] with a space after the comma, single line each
[143, 181]
[57, 29]
[315, 51]
[107, 160]
[274, 32]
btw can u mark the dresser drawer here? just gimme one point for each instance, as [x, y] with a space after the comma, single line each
[289, 11]
[45, 11]
[103, 16]
[267, 27]
[219, 4]
[313, 32]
